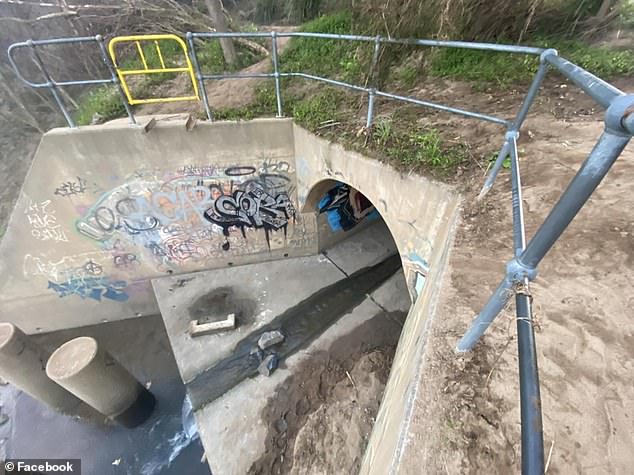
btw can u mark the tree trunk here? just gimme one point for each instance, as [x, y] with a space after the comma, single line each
[604, 9]
[218, 18]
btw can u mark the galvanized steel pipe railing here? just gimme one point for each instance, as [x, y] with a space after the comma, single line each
[372, 92]
[52, 85]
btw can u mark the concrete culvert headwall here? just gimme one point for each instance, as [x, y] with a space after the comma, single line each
[106, 209]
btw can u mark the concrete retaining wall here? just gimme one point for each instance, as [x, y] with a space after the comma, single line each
[106, 208]
[415, 209]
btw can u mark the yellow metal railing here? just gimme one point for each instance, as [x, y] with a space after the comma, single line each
[148, 69]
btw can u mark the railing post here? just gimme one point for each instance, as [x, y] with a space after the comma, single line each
[370, 117]
[276, 73]
[51, 85]
[199, 75]
[533, 90]
[530, 398]
[115, 77]
[373, 81]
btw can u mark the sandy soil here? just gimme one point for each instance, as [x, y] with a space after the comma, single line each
[321, 423]
[321, 417]
[583, 301]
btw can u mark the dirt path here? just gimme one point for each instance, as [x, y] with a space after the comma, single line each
[222, 93]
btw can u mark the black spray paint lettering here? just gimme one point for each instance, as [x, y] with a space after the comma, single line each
[70, 188]
[254, 208]
[126, 259]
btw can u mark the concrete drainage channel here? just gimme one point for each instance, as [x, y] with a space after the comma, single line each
[235, 232]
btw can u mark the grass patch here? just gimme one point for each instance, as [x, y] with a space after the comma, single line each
[505, 69]
[264, 104]
[103, 102]
[424, 148]
[330, 58]
[318, 109]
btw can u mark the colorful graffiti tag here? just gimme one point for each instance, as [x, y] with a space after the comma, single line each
[94, 288]
[346, 207]
[177, 217]
[161, 221]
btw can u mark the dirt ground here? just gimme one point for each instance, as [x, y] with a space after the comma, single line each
[321, 417]
[583, 300]
[321, 423]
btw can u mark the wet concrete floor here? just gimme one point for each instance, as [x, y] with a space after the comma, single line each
[161, 445]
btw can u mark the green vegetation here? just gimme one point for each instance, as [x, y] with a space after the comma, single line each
[264, 104]
[335, 113]
[104, 101]
[425, 148]
[382, 130]
[318, 109]
[504, 69]
[399, 137]
[328, 58]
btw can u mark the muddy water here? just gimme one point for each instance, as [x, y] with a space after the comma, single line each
[300, 324]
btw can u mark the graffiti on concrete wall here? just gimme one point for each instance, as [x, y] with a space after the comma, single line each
[94, 288]
[43, 222]
[160, 221]
[176, 217]
[346, 207]
[71, 187]
[251, 208]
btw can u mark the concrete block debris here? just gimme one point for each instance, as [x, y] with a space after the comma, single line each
[268, 339]
[198, 329]
[269, 364]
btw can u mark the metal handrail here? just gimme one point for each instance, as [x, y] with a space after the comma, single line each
[619, 128]
[53, 85]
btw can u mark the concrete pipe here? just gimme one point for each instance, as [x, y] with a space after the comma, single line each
[96, 378]
[22, 364]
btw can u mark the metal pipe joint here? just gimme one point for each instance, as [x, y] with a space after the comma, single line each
[619, 116]
[546, 53]
[517, 271]
[511, 135]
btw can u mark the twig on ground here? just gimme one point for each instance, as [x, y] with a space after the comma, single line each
[499, 356]
[550, 454]
[351, 380]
